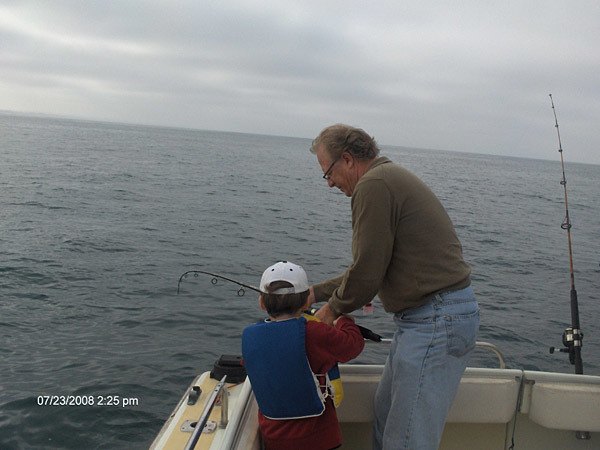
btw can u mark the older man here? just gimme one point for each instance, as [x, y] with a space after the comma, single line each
[404, 249]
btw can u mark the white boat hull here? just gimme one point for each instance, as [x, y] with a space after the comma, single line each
[493, 407]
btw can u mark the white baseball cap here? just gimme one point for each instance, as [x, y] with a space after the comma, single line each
[285, 271]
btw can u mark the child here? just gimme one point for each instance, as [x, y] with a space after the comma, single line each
[287, 359]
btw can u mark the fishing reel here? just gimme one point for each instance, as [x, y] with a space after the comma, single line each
[572, 339]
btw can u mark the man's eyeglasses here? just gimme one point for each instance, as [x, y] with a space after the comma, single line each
[327, 174]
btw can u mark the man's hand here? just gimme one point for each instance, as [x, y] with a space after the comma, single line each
[326, 315]
[343, 315]
[311, 296]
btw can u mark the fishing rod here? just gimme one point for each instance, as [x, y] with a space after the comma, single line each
[572, 336]
[366, 333]
[215, 280]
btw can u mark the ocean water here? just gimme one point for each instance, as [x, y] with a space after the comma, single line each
[99, 220]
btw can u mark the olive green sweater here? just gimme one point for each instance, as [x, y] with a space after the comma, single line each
[404, 246]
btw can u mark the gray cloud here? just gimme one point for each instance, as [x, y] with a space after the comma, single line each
[470, 77]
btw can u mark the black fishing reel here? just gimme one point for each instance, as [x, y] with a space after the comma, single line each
[572, 339]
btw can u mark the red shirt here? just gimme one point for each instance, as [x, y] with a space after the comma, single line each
[325, 346]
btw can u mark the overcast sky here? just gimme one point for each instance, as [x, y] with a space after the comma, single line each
[469, 76]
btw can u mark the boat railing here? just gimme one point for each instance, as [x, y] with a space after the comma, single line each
[494, 349]
[481, 345]
[219, 391]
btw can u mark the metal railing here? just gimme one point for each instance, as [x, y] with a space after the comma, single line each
[494, 349]
[210, 404]
[482, 345]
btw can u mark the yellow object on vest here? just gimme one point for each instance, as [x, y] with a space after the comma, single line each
[335, 381]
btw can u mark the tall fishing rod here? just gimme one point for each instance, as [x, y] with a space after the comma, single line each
[366, 333]
[572, 336]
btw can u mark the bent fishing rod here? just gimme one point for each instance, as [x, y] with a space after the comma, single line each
[215, 280]
[572, 336]
[366, 333]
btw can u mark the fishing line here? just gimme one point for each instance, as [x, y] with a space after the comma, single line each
[572, 336]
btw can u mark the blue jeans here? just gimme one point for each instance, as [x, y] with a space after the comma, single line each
[428, 355]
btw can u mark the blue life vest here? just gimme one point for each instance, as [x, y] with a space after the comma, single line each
[275, 359]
